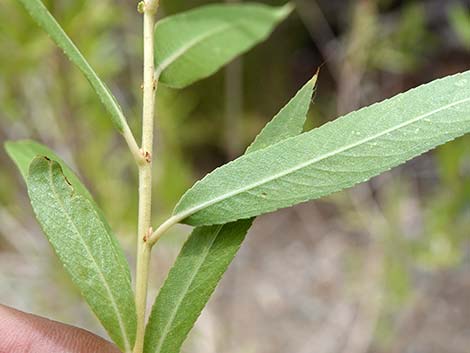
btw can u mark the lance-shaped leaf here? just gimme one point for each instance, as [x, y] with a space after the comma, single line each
[81, 242]
[48, 23]
[24, 151]
[337, 155]
[195, 44]
[209, 250]
[289, 121]
[191, 281]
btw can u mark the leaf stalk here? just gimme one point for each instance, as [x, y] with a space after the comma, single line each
[162, 229]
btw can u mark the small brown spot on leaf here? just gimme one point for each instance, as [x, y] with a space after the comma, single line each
[67, 181]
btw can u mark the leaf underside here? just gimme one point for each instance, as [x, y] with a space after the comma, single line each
[80, 236]
[338, 155]
[80, 240]
[195, 44]
[22, 152]
[209, 250]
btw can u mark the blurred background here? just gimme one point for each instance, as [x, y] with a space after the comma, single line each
[383, 267]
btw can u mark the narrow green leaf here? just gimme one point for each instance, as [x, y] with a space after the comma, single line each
[193, 278]
[289, 121]
[195, 44]
[48, 23]
[24, 151]
[337, 155]
[209, 250]
[81, 242]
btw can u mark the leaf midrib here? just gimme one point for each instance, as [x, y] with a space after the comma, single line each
[191, 44]
[103, 278]
[193, 210]
[166, 329]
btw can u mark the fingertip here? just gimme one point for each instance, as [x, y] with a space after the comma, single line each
[22, 333]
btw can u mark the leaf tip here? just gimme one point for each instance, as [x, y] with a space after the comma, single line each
[286, 10]
[13, 150]
[8, 147]
[314, 78]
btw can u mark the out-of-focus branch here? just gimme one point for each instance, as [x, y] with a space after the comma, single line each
[321, 33]
[356, 54]
[233, 104]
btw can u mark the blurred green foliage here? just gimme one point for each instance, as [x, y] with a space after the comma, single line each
[403, 48]
[459, 17]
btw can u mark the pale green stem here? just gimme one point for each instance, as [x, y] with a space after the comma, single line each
[133, 147]
[149, 8]
[162, 229]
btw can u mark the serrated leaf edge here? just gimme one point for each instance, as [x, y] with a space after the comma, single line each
[187, 213]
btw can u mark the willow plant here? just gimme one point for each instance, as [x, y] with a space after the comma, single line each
[284, 166]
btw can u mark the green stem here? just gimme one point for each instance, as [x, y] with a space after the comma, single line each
[162, 229]
[149, 9]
